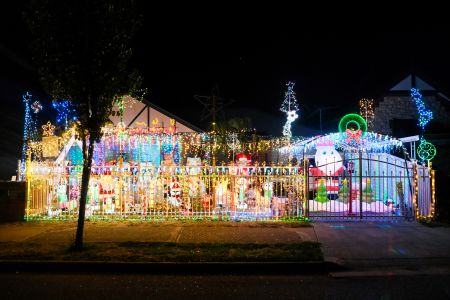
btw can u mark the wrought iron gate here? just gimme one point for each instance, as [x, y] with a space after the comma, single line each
[370, 186]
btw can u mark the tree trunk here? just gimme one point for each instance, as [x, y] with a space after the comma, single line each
[87, 162]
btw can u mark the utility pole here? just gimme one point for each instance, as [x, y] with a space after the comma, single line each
[213, 105]
[320, 114]
[320, 118]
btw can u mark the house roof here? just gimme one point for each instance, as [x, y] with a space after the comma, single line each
[138, 111]
[62, 155]
[412, 81]
[170, 115]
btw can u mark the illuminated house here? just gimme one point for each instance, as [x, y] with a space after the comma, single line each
[138, 117]
[151, 165]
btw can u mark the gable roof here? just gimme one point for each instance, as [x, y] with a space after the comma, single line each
[66, 149]
[408, 83]
[172, 116]
[143, 112]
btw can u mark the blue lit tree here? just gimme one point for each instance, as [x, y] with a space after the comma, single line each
[30, 132]
[66, 112]
[425, 115]
[28, 125]
[426, 150]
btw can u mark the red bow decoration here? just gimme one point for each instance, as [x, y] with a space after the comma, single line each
[353, 135]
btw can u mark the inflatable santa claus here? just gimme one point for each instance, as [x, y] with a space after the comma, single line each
[328, 166]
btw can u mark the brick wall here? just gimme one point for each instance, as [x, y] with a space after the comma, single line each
[12, 201]
[402, 107]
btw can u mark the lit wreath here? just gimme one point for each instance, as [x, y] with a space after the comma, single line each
[353, 126]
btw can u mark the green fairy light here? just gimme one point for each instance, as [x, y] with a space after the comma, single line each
[426, 150]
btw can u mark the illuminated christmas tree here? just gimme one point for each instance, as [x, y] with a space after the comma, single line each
[367, 192]
[321, 192]
[343, 192]
[290, 107]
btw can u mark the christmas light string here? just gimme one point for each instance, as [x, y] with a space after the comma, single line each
[426, 150]
[290, 107]
[425, 115]
[366, 110]
[66, 112]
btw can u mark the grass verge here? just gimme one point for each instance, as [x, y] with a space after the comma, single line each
[165, 252]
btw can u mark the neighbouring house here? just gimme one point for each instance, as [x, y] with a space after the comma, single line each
[396, 114]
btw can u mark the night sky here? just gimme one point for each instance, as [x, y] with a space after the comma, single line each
[250, 56]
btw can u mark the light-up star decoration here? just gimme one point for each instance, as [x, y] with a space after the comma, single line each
[290, 107]
[48, 129]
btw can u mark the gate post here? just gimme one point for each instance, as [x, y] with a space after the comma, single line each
[306, 198]
[360, 184]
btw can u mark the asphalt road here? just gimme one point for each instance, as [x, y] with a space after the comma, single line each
[221, 286]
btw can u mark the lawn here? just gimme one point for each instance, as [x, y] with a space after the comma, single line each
[164, 252]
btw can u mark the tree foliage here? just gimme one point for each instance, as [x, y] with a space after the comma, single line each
[82, 50]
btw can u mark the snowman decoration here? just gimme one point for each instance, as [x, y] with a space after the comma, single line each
[328, 164]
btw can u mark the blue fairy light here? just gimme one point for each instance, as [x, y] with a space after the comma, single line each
[425, 115]
[28, 124]
[66, 111]
[426, 150]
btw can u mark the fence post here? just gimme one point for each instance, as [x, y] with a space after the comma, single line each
[360, 185]
[28, 180]
[120, 185]
[306, 198]
[433, 192]
[415, 191]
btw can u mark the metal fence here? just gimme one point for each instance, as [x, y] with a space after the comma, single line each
[369, 187]
[255, 193]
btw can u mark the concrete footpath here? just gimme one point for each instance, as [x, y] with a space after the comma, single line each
[404, 247]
